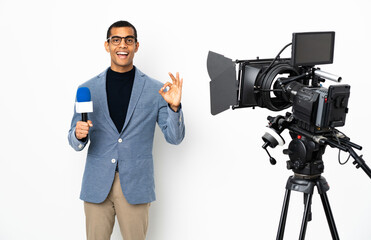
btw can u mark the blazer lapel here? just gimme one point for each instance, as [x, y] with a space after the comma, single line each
[138, 85]
[102, 99]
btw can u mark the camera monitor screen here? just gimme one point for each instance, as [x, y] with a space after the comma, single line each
[312, 48]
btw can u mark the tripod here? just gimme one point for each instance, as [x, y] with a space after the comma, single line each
[305, 152]
[306, 186]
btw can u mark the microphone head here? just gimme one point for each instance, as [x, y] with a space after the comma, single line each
[83, 100]
[83, 95]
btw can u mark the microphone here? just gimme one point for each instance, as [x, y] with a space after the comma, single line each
[83, 104]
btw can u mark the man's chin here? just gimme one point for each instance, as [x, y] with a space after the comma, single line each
[122, 66]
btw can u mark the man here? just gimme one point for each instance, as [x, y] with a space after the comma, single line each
[118, 177]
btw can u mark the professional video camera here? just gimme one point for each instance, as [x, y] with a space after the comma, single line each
[277, 84]
[258, 84]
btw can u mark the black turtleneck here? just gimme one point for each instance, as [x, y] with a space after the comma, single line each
[118, 87]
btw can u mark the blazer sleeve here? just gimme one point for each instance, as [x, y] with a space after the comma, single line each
[171, 123]
[75, 143]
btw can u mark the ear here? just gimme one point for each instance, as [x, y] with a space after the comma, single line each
[106, 46]
[136, 46]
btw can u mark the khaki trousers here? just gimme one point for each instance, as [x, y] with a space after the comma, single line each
[100, 217]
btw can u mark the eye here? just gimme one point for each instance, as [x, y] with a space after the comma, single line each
[116, 40]
[130, 40]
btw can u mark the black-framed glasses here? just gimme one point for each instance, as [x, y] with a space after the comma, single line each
[116, 40]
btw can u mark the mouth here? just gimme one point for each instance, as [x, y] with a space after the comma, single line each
[122, 55]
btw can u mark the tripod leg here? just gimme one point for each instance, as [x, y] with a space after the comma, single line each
[310, 208]
[329, 216]
[281, 227]
[304, 223]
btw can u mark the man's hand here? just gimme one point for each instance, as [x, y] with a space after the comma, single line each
[82, 129]
[174, 94]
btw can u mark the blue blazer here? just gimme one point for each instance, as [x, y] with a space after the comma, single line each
[131, 149]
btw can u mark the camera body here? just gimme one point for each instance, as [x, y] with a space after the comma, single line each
[277, 84]
[319, 109]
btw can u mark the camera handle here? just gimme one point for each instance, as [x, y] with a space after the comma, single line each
[359, 162]
[347, 146]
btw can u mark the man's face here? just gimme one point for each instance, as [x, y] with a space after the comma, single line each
[122, 55]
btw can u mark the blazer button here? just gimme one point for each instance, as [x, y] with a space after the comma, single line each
[113, 160]
[120, 140]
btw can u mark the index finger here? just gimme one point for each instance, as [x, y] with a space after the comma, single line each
[82, 124]
[175, 80]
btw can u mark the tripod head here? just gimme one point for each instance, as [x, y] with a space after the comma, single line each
[306, 148]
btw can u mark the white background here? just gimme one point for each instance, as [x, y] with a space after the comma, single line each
[218, 184]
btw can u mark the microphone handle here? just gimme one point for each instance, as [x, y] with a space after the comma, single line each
[84, 117]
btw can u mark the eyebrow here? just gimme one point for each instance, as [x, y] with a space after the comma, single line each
[123, 37]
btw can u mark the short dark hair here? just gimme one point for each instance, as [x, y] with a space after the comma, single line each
[122, 24]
